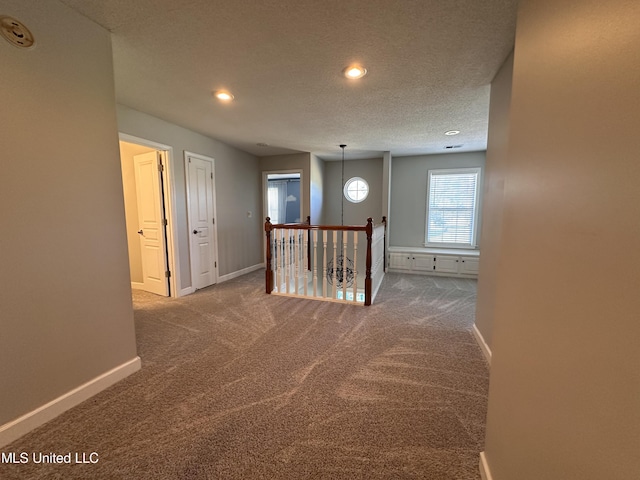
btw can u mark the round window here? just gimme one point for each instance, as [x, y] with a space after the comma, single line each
[356, 189]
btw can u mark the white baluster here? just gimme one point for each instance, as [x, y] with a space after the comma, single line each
[305, 264]
[355, 265]
[315, 263]
[345, 239]
[324, 264]
[287, 244]
[334, 291]
[278, 260]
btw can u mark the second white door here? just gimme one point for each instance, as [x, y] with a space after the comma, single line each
[202, 228]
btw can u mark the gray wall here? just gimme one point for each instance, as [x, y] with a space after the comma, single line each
[293, 161]
[237, 191]
[565, 382]
[409, 177]
[64, 289]
[354, 213]
[493, 198]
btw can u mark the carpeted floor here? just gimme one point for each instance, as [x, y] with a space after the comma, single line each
[237, 384]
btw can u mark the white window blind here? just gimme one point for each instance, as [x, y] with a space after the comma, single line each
[452, 203]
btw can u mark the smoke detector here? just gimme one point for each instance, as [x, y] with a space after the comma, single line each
[15, 32]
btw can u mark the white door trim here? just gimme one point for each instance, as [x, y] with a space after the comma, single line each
[173, 248]
[215, 213]
[265, 201]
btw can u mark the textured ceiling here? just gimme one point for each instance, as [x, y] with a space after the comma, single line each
[430, 63]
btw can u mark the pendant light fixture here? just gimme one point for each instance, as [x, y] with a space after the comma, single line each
[342, 146]
[344, 267]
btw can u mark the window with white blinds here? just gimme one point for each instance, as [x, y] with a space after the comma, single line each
[452, 204]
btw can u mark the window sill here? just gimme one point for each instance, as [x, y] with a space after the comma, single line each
[469, 252]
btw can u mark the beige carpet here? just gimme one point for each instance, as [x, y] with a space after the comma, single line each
[239, 384]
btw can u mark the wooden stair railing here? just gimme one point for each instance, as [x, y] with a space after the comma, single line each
[308, 239]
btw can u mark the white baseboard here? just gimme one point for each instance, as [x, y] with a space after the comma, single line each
[186, 291]
[17, 428]
[485, 473]
[137, 286]
[483, 345]
[239, 273]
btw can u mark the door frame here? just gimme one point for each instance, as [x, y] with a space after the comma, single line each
[211, 160]
[265, 200]
[169, 198]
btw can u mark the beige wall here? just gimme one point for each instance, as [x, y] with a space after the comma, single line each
[565, 383]
[64, 289]
[237, 191]
[493, 198]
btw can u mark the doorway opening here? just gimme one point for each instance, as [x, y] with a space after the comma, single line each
[146, 186]
[283, 197]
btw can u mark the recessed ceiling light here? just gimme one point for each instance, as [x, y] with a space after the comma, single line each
[262, 144]
[354, 71]
[452, 132]
[223, 95]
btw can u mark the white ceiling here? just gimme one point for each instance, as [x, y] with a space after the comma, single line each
[430, 63]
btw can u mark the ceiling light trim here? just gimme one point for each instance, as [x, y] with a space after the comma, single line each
[354, 71]
[16, 33]
[223, 95]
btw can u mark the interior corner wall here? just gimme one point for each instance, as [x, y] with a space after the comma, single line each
[238, 187]
[293, 161]
[65, 293]
[493, 198]
[564, 389]
[354, 213]
[409, 177]
[316, 187]
[386, 184]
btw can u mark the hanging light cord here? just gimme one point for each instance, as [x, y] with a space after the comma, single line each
[342, 213]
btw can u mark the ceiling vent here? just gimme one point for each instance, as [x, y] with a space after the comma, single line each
[448, 147]
[15, 32]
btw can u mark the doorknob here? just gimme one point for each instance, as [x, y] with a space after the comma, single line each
[195, 232]
[140, 232]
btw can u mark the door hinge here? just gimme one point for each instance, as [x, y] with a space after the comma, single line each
[211, 175]
[165, 222]
[160, 166]
[215, 264]
[167, 274]
[213, 220]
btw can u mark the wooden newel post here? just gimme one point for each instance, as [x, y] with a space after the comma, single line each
[268, 280]
[367, 279]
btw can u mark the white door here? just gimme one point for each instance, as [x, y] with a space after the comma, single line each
[200, 196]
[152, 222]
